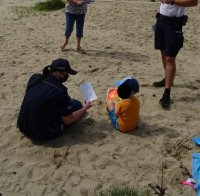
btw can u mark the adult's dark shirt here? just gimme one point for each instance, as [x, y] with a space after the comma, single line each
[45, 101]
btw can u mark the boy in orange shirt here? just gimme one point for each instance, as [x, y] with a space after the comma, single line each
[125, 113]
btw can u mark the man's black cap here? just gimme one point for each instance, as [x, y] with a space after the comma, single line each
[62, 65]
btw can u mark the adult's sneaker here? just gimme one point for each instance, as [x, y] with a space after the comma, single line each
[159, 84]
[165, 101]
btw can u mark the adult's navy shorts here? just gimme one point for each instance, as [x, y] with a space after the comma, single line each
[168, 36]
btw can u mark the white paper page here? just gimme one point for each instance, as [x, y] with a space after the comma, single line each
[88, 92]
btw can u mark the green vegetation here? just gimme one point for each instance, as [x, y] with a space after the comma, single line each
[49, 5]
[123, 191]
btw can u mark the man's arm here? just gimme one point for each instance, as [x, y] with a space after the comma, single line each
[182, 3]
[75, 116]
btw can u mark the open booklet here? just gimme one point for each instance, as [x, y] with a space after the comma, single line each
[88, 92]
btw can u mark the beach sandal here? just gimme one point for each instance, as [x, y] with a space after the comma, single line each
[81, 50]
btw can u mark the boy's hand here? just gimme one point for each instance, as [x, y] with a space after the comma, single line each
[115, 101]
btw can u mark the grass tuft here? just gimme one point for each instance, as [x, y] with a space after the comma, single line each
[49, 5]
[123, 191]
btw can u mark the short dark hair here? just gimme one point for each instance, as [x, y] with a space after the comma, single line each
[124, 91]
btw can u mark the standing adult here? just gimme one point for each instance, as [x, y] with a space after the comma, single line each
[169, 40]
[75, 11]
[47, 109]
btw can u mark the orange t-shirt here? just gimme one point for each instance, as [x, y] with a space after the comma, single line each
[127, 111]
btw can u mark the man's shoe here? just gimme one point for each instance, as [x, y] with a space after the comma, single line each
[160, 83]
[165, 101]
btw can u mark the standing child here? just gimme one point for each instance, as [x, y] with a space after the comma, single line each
[75, 10]
[125, 113]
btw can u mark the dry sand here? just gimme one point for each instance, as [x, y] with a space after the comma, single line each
[92, 156]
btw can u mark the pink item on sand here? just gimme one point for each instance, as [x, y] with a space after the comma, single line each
[189, 182]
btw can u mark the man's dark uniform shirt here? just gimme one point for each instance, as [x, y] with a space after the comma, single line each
[41, 110]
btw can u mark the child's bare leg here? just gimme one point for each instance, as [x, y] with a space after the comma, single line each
[65, 43]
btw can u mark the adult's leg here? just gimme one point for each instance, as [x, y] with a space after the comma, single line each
[170, 71]
[164, 62]
[161, 83]
[159, 41]
[80, 19]
[78, 46]
[70, 20]
[174, 42]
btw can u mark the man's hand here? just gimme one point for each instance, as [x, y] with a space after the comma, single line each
[87, 105]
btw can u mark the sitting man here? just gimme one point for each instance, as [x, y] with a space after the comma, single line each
[47, 109]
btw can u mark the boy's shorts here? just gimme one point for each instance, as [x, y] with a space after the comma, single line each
[168, 37]
[113, 118]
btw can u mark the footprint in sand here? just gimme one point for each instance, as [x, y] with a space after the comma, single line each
[94, 70]
[178, 149]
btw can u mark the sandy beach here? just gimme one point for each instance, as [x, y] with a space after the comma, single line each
[91, 156]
